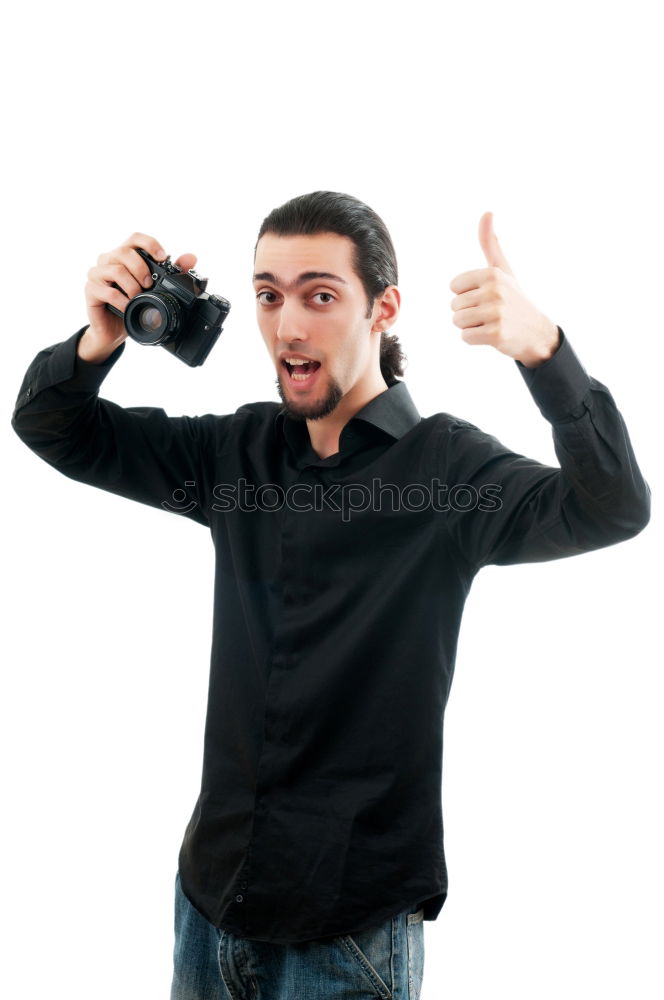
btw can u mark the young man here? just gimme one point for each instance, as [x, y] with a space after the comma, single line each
[348, 530]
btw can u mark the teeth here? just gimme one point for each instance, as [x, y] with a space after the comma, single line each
[295, 361]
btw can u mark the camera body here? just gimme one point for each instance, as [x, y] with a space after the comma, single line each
[176, 313]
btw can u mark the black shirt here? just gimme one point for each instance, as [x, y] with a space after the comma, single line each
[339, 589]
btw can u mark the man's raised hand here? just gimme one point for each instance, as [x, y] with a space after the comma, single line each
[490, 308]
[125, 268]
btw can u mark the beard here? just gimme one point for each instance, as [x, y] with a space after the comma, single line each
[313, 410]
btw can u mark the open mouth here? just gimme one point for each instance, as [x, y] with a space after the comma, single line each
[302, 374]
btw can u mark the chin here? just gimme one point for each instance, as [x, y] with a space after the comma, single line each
[315, 407]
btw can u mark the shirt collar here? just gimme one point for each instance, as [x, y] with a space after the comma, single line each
[392, 411]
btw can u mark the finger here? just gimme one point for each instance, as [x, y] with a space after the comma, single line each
[135, 265]
[465, 301]
[479, 335]
[147, 243]
[490, 245]
[475, 317]
[468, 280]
[186, 261]
[97, 294]
[115, 274]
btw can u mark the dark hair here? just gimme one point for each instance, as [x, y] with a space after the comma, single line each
[374, 259]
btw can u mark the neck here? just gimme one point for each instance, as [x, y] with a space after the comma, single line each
[325, 432]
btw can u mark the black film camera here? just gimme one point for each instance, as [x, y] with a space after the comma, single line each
[176, 313]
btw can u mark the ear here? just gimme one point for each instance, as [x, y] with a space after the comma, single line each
[386, 309]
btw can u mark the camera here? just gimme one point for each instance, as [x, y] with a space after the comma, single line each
[176, 313]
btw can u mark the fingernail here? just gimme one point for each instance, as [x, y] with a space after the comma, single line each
[161, 254]
[147, 281]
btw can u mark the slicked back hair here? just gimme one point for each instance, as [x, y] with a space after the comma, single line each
[374, 259]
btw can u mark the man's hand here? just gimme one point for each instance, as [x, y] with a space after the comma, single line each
[491, 309]
[117, 278]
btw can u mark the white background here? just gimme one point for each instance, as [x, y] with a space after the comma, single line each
[191, 123]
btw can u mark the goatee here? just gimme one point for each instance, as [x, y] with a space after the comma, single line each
[314, 410]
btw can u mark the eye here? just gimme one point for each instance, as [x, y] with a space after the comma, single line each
[269, 302]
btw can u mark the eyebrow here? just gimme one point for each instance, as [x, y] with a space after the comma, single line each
[301, 280]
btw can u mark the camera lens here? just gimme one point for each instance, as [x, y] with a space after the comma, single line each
[149, 319]
[152, 318]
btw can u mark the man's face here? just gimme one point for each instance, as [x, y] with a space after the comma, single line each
[322, 319]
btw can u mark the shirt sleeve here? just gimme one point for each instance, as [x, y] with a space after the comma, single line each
[136, 452]
[505, 508]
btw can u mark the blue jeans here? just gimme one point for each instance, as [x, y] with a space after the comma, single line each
[386, 961]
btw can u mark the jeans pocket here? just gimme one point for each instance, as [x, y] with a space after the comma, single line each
[415, 939]
[371, 950]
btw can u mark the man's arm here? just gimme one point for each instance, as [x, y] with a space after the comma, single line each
[139, 453]
[526, 511]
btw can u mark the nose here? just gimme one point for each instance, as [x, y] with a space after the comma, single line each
[291, 324]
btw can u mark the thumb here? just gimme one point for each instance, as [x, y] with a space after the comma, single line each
[186, 261]
[490, 245]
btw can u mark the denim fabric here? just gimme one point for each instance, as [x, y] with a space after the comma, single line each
[386, 961]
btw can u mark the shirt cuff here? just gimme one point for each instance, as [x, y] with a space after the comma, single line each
[64, 365]
[90, 372]
[560, 384]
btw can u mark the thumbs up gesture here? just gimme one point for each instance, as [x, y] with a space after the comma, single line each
[490, 308]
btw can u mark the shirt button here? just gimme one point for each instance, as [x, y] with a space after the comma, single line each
[244, 885]
[28, 392]
[238, 899]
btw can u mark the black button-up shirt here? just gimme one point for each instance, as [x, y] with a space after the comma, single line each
[339, 590]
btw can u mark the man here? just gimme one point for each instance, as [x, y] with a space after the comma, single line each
[348, 530]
